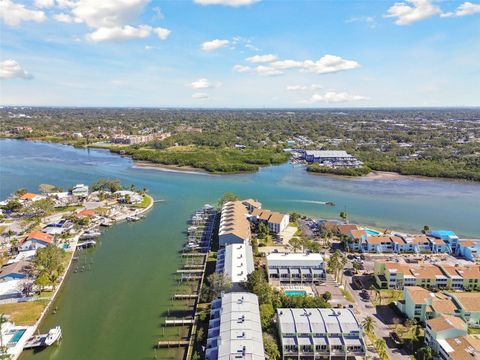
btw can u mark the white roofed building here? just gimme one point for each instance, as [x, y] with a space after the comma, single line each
[236, 262]
[319, 333]
[286, 268]
[234, 330]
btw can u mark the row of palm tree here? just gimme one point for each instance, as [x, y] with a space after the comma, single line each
[380, 345]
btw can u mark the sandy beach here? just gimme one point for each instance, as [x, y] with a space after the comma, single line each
[168, 168]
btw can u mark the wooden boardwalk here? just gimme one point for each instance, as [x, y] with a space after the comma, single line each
[172, 343]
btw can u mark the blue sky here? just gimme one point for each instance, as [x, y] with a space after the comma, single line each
[240, 53]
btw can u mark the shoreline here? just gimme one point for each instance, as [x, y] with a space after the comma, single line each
[33, 328]
[168, 168]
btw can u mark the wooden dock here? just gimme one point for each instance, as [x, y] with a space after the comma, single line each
[172, 343]
[185, 296]
[179, 322]
[193, 254]
[190, 271]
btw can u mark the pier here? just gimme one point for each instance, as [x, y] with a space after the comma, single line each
[180, 322]
[185, 296]
[172, 343]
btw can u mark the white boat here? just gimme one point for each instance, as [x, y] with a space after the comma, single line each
[90, 234]
[53, 335]
[133, 218]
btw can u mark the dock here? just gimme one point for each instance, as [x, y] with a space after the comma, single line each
[172, 343]
[86, 244]
[185, 296]
[179, 322]
[190, 271]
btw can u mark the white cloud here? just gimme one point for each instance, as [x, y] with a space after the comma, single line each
[369, 20]
[10, 69]
[412, 11]
[261, 58]
[467, 8]
[333, 97]
[267, 71]
[13, 14]
[201, 84]
[214, 44]
[149, 47]
[44, 3]
[234, 3]
[200, 95]
[107, 13]
[241, 69]
[303, 87]
[329, 64]
[126, 32]
[65, 18]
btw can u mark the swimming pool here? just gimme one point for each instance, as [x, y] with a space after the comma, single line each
[295, 292]
[17, 336]
[371, 232]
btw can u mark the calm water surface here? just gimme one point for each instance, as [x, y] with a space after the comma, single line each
[115, 310]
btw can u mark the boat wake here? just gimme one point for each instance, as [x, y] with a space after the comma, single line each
[318, 202]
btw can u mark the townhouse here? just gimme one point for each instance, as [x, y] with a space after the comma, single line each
[441, 328]
[393, 275]
[448, 236]
[467, 307]
[234, 329]
[234, 226]
[319, 333]
[287, 268]
[36, 240]
[235, 261]
[469, 249]
[276, 221]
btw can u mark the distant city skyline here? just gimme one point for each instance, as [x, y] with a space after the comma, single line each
[240, 53]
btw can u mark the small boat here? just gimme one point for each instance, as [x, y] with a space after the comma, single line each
[133, 218]
[53, 335]
[330, 203]
[89, 234]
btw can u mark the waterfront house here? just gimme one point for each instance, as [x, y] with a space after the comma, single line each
[393, 275]
[252, 204]
[85, 213]
[234, 226]
[319, 333]
[438, 245]
[234, 329]
[469, 249]
[31, 197]
[379, 244]
[357, 237]
[441, 328]
[289, 268]
[36, 240]
[80, 190]
[344, 229]
[459, 348]
[128, 196]
[276, 221]
[448, 236]
[15, 271]
[421, 244]
[235, 261]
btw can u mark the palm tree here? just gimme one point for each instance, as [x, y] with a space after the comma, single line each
[381, 347]
[425, 353]
[368, 325]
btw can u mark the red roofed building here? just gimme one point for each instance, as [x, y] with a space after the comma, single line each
[36, 240]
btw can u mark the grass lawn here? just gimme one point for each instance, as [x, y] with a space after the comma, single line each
[24, 313]
[147, 200]
[387, 296]
[474, 330]
[66, 209]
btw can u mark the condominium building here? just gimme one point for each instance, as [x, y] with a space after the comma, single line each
[276, 221]
[332, 158]
[393, 275]
[234, 226]
[441, 328]
[306, 268]
[234, 330]
[319, 333]
[459, 348]
[236, 262]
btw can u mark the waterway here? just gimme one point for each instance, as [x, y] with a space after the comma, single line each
[115, 310]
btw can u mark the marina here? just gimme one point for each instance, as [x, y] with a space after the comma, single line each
[134, 259]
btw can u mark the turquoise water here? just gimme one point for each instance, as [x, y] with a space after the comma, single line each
[371, 232]
[17, 336]
[295, 292]
[115, 310]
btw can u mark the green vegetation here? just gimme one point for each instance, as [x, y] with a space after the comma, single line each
[24, 313]
[228, 196]
[215, 160]
[49, 264]
[110, 185]
[145, 203]
[346, 294]
[316, 168]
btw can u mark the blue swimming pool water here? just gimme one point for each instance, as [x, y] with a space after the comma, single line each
[17, 336]
[371, 232]
[295, 292]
